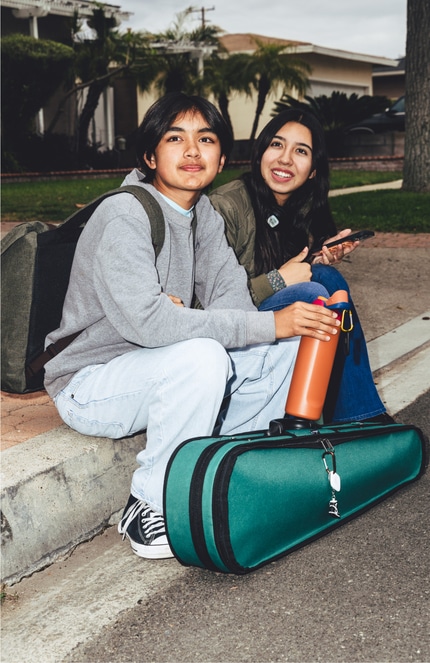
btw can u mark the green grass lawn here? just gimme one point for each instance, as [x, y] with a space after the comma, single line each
[386, 211]
[383, 211]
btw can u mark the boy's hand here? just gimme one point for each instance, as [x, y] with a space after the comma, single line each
[176, 300]
[302, 319]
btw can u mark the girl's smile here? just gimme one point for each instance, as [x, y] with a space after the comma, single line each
[282, 174]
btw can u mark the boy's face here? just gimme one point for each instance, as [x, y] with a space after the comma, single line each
[186, 160]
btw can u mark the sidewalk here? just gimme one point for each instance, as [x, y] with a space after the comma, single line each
[60, 488]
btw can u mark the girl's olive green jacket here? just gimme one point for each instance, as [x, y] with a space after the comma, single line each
[232, 201]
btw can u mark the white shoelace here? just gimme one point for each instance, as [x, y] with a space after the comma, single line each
[152, 522]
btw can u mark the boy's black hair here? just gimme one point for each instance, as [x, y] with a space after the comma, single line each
[160, 117]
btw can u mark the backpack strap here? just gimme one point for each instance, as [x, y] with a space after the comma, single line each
[148, 202]
[77, 219]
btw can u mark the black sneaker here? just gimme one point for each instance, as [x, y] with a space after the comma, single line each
[145, 529]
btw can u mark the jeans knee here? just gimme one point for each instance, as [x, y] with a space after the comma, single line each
[329, 277]
[316, 290]
[211, 362]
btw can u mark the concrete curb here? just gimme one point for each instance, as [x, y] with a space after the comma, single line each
[80, 485]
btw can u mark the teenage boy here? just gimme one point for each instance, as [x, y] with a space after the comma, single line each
[147, 359]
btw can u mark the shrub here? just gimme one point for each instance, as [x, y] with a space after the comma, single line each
[335, 113]
[31, 70]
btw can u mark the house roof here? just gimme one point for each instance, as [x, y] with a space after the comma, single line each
[235, 43]
[84, 8]
[391, 71]
[247, 42]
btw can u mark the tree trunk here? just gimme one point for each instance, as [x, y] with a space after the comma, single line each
[106, 78]
[263, 91]
[416, 170]
[223, 106]
[94, 91]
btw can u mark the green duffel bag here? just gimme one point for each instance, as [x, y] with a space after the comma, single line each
[235, 503]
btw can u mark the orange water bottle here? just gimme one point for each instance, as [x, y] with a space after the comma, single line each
[314, 364]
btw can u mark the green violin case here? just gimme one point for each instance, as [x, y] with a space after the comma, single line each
[235, 503]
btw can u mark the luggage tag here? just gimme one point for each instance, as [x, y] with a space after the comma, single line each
[333, 478]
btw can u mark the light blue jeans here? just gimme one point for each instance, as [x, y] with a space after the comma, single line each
[175, 393]
[352, 395]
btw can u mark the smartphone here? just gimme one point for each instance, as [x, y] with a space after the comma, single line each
[353, 237]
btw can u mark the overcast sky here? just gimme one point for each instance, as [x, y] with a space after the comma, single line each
[372, 27]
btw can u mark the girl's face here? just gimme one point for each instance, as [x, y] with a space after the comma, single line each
[287, 163]
[187, 159]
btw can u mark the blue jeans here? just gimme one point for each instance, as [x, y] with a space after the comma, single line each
[352, 395]
[175, 393]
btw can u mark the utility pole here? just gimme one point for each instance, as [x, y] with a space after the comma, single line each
[197, 49]
[201, 51]
[202, 11]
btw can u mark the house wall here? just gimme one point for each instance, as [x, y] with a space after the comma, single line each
[242, 112]
[144, 101]
[125, 106]
[331, 74]
[392, 86]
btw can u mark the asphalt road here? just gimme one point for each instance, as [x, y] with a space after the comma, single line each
[359, 594]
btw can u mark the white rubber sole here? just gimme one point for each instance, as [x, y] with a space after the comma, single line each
[155, 551]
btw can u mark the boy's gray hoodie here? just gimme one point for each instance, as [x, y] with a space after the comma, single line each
[118, 291]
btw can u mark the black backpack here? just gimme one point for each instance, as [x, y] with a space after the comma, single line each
[35, 270]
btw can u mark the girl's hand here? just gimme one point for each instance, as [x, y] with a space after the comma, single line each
[295, 270]
[302, 319]
[336, 253]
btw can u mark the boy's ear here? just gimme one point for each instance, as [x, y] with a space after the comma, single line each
[221, 163]
[150, 161]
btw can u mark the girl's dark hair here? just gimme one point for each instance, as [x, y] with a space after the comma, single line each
[305, 218]
[160, 117]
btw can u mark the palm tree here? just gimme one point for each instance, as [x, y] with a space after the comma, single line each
[93, 60]
[338, 110]
[224, 75]
[179, 74]
[96, 62]
[271, 66]
[181, 55]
